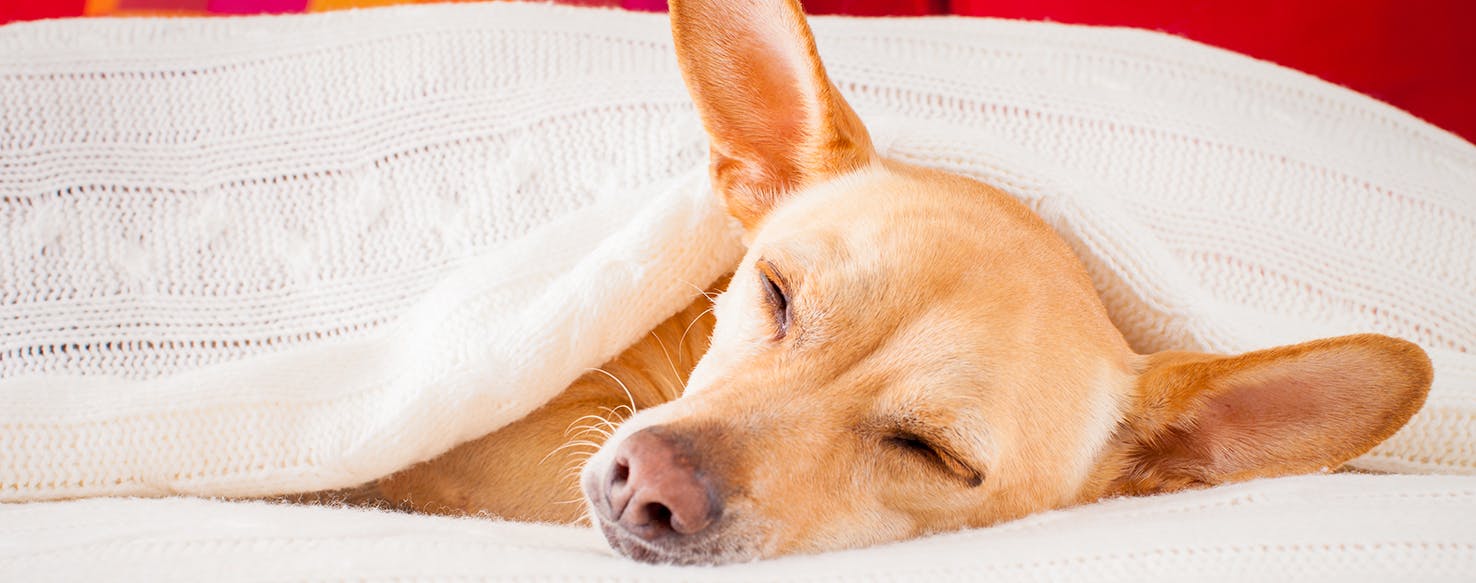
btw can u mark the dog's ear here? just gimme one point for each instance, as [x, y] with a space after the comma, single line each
[775, 120]
[1204, 419]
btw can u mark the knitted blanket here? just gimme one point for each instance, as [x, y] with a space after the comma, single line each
[252, 256]
[1332, 529]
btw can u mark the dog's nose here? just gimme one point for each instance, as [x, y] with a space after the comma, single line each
[655, 488]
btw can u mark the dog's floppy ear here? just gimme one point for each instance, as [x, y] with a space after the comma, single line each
[775, 120]
[1203, 419]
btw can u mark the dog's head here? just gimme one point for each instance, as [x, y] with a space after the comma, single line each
[904, 351]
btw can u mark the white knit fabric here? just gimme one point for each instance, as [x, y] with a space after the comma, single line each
[249, 256]
[1303, 530]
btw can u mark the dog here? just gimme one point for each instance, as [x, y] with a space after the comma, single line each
[902, 351]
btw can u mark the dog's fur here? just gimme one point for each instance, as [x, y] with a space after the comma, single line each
[902, 351]
[528, 469]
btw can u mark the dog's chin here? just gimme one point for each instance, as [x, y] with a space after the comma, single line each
[716, 546]
[710, 550]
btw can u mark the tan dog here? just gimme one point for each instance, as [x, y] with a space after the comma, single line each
[901, 352]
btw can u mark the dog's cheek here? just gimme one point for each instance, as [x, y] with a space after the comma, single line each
[802, 504]
[858, 524]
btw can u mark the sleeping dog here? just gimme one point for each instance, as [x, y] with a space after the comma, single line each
[902, 351]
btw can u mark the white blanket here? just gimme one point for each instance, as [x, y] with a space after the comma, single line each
[1303, 530]
[249, 256]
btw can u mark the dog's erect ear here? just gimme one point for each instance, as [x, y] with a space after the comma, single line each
[776, 122]
[1204, 419]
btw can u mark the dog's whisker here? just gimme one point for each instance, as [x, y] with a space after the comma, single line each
[628, 395]
[683, 340]
[616, 413]
[706, 294]
[598, 433]
[573, 443]
[571, 477]
[573, 425]
[567, 445]
[577, 460]
[583, 430]
[598, 421]
[669, 362]
[595, 417]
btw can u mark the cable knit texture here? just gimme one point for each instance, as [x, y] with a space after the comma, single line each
[1308, 529]
[251, 256]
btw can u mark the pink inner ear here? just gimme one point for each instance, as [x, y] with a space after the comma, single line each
[774, 120]
[1268, 404]
[1276, 412]
[773, 75]
[1288, 413]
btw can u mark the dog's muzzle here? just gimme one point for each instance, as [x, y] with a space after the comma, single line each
[656, 503]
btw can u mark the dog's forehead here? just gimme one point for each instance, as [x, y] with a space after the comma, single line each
[877, 227]
[904, 220]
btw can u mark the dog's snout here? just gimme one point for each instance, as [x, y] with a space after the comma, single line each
[655, 487]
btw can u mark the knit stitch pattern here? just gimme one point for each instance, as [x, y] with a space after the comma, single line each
[252, 256]
[1307, 529]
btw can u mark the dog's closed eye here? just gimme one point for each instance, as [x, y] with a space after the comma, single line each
[776, 296]
[927, 451]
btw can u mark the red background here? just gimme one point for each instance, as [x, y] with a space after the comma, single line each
[1419, 55]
